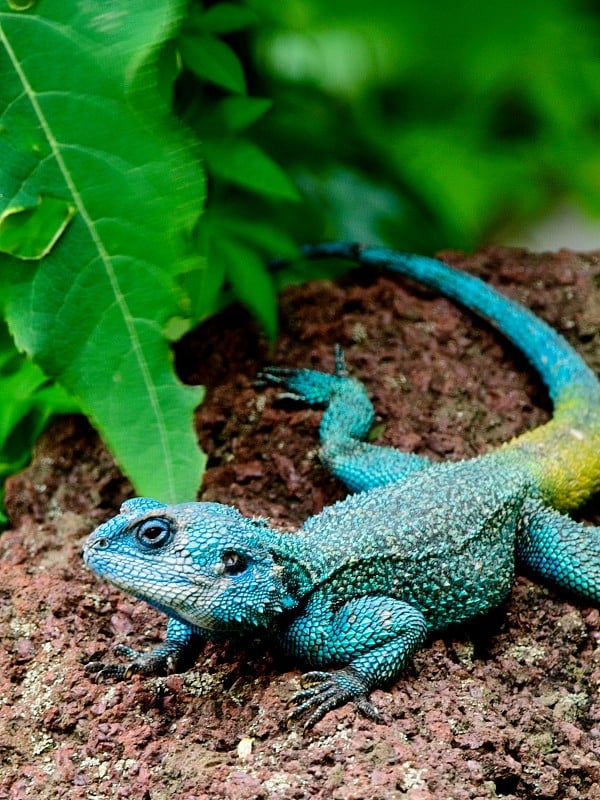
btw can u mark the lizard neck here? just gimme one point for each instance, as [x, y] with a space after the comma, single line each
[302, 562]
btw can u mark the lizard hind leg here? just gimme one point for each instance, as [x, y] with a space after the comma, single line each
[560, 550]
[346, 423]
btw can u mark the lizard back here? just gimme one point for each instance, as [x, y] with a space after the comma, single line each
[389, 539]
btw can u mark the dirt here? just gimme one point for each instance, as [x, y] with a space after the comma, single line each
[506, 707]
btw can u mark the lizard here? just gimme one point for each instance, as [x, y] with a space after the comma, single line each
[415, 547]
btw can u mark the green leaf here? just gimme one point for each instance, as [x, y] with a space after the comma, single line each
[243, 163]
[92, 312]
[24, 388]
[270, 239]
[227, 18]
[30, 233]
[27, 400]
[21, 5]
[251, 281]
[237, 113]
[211, 60]
[204, 283]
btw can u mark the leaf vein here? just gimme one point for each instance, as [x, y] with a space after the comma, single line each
[103, 252]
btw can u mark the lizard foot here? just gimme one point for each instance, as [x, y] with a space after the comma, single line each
[160, 661]
[308, 385]
[331, 690]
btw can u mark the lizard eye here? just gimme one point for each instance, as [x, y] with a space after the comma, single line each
[233, 563]
[153, 534]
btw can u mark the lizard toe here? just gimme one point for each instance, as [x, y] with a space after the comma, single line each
[307, 385]
[368, 709]
[316, 676]
[126, 652]
[274, 375]
[100, 670]
[160, 661]
[330, 690]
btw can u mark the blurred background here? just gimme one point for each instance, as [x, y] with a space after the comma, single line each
[430, 125]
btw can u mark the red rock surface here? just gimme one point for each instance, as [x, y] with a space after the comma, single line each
[507, 707]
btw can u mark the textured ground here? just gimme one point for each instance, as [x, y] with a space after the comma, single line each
[508, 707]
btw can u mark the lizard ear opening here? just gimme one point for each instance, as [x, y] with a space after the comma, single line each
[234, 563]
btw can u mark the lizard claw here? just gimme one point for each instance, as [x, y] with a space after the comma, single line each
[331, 690]
[276, 376]
[340, 361]
[304, 379]
[155, 662]
[308, 385]
[100, 670]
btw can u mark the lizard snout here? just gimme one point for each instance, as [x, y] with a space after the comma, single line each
[95, 541]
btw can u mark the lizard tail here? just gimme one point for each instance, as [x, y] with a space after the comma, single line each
[564, 454]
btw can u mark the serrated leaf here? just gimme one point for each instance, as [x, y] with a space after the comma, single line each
[72, 79]
[30, 233]
[245, 164]
[212, 60]
[21, 5]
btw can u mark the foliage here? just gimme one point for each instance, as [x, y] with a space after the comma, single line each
[429, 125]
[420, 126]
[101, 192]
[28, 400]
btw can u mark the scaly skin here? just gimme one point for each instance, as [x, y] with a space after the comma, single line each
[418, 547]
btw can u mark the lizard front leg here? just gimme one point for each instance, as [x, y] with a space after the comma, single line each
[370, 640]
[346, 422]
[179, 650]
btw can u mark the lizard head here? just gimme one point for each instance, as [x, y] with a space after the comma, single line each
[204, 563]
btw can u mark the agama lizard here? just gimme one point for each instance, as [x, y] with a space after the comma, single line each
[418, 546]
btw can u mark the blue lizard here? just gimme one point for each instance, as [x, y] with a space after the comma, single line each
[417, 547]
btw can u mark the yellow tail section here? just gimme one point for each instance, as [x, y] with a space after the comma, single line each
[564, 454]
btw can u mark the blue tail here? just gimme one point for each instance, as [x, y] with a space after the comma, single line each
[565, 374]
